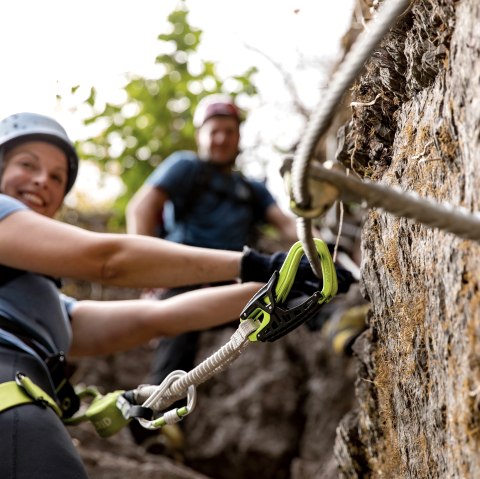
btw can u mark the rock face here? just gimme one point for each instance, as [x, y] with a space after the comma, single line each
[418, 377]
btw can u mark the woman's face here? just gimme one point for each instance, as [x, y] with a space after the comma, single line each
[36, 173]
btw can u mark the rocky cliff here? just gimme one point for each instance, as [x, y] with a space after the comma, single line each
[418, 377]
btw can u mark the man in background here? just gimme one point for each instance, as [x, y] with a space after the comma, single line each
[201, 199]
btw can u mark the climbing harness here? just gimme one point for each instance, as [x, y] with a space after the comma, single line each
[24, 391]
[266, 317]
[55, 364]
[102, 412]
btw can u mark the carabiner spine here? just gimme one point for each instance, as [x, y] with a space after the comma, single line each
[265, 303]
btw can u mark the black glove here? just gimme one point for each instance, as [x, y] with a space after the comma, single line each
[259, 267]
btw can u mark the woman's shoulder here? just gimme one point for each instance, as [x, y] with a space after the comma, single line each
[9, 205]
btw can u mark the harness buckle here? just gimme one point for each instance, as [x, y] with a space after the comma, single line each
[37, 395]
[67, 397]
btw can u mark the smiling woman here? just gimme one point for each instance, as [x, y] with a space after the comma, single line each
[40, 326]
[41, 185]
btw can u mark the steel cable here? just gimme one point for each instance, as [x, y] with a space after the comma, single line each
[341, 80]
[406, 204]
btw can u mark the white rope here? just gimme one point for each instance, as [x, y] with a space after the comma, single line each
[406, 204]
[170, 417]
[160, 397]
[341, 80]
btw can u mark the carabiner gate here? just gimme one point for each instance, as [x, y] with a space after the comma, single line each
[266, 307]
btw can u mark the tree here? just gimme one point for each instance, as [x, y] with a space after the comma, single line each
[155, 119]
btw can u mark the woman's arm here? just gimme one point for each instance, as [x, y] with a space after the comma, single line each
[36, 243]
[105, 327]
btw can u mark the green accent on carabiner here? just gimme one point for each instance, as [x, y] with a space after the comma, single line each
[265, 307]
[160, 422]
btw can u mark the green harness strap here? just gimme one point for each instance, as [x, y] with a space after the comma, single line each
[104, 412]
[24, 391]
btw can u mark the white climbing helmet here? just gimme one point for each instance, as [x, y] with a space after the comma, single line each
[26, 126]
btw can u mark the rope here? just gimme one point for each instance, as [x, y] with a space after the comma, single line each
[259, 321]
[348, 70]
[160, 397]
[401, 203]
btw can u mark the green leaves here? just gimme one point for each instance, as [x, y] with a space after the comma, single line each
[155, 119]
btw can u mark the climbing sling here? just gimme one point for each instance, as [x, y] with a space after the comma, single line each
[266, 317]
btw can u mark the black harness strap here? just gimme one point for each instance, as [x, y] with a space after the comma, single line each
[202, 184]
[56, 364]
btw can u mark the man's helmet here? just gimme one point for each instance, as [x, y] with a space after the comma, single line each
[22, 127]
[215, 105]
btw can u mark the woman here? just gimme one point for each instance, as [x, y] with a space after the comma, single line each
[38, 166]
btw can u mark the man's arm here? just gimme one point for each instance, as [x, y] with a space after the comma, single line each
[282, 222]
[144, 211]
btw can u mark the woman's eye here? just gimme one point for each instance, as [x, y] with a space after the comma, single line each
[58, 179]
[25, 161]
[27, 164]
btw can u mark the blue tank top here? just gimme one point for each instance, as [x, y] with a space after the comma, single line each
[224, 209]
[33, 302]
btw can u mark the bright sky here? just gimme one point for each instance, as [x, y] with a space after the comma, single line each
[49, 46]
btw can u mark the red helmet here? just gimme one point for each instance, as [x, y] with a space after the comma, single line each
[215, 105]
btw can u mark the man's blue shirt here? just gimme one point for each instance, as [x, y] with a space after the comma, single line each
[221, 215]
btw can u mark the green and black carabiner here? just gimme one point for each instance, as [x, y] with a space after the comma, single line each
[267, 306]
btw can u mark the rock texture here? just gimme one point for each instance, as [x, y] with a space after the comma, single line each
[418, 378]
